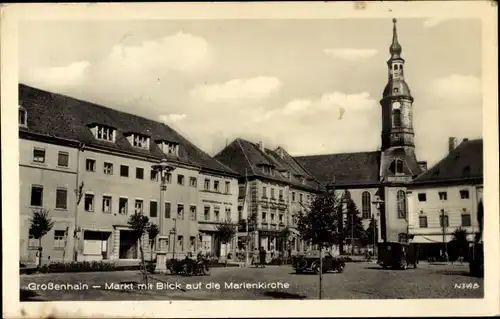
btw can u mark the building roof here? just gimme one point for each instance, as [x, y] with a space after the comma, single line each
[465, 162]
[59, 116]
[249, 159]
[345, 169]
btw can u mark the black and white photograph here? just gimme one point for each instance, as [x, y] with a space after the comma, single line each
[337, 157]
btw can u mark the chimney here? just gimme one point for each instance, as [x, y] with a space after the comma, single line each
[452, 143]
[422, 165]
[280, 152]
[465, 140]
[261, 146]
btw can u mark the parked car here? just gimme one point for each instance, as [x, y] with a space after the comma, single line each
[397, 255]
[310, 261]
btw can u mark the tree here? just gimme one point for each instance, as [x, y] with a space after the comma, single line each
[285, 237]
[321, 225]
[40, 225]
[459, 240]
[139, 224]
[372, 233]
[153, 231]
[225, 231]
[353, 227]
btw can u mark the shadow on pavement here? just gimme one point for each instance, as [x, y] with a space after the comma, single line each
[29, 295]
[283, 295]
[454, 273]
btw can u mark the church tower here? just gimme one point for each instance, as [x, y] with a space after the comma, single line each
[399, 163]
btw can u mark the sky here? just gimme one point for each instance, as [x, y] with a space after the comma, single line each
[310, 86]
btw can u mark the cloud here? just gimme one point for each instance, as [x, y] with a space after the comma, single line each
[171, 118]
[432, 22]
[254, 88]
[59, 76]
[458, 86]
[351, 54]
[181, 51]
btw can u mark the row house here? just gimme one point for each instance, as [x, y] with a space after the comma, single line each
[273, 189]
[92, 167]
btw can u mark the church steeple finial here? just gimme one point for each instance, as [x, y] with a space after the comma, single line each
[395, 48]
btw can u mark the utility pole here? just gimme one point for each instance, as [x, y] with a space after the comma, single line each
[443, 228]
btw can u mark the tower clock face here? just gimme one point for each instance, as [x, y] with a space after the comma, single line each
[396, 105]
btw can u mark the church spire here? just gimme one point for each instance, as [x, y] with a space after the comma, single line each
[395, 48]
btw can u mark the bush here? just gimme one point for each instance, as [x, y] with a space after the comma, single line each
[151, 267]
[79, 266]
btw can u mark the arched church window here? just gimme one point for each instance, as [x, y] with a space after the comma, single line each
[366, 205]
[399, 167]
[396, 117]
[396, 67]
[401, 200]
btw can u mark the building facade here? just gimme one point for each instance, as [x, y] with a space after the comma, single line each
[273, 188]
[92, 167]
[446, 198]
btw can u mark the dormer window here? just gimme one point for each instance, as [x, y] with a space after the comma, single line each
[22, 116]
[139, 140]
[104, 133]
[266, 169]
[397, 167]
[169, 148]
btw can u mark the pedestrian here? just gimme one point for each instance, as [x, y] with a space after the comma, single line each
[262, 255]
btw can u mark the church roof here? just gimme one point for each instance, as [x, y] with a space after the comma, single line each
[247, 159]
[59, 116]
[465, 162]
[345, 169]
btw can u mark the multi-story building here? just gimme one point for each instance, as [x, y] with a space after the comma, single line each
[91, 167]
[446, 197]
[273, 189]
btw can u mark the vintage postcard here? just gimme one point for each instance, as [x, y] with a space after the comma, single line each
[250, 159]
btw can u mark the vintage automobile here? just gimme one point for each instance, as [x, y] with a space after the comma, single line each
[189, 266]
[397, 255]
[309, 261]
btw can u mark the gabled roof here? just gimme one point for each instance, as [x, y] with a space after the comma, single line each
[465, 162]
[247, 158]
[345, 169]
[60, 116]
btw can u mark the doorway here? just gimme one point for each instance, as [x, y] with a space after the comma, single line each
[128, 245]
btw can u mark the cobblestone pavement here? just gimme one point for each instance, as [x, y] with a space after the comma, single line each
[358, 281]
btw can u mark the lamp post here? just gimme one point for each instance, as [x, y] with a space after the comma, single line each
[173, 232]
[163, 168]
[377, 203]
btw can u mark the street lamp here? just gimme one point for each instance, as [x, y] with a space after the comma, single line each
[163, 168]
[378, 202]
[173, 232]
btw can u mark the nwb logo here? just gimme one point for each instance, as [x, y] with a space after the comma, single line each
[468, 285]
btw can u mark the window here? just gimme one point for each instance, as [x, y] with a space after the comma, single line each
[401, 199]
[300, 198]
[90, 165]
[59, 236]
[168, 178]
[464, 194]
[180, 211]
[154, 175]
[422, 221]
[108, 168]
[216, 214]
[36, 196]
[264, 192]
[272, 193]
[123, 170]
[63, 159]
[281, 218]
[172, 148]
[272, 217]
[466, 220]
[32, 241]
[22, 117]
[141, 141]
[89, 202]
[293, 196]
[139, 173]
[105, 133]
[192, 181]
[180, 179]
[216, 186]
[153, 209]
[228, 214]
[123, 206]
[443, 195]
[106, 204]
[228, 187]
[422, 197]
[443, 217]
[396, 116]
[280, 194]
[39, 155]
[366, 205]
[264, 217]
[192, 243]
[139, 206]
[168, 208]
[206, 185]
[61, 198]
[192, 212]
[180, 241]
[206, 213]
